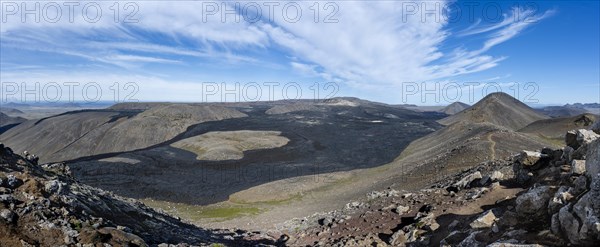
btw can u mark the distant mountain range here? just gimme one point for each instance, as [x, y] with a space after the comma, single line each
[77, 104]
[568, 110]
[586, 105]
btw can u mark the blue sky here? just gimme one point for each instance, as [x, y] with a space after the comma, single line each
[387, 51]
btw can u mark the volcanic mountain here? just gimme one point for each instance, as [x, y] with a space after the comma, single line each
[454, 108]
[497, 108]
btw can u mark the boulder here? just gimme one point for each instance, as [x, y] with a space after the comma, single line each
[521, 175]
[554, 154]
[497, 176]
[528, 158]
[592, 164]
[7, 199]
[571, 139]
[475, 193]
[398, 238]
[402, 209]
[13, 182]
[532, 160]
[515, 234]
[495, 185]
[509, 219]
[580, 221]
[485, 220]
[326, 221]
[534, 202]
[8, 215]
[379, 194]
[596, 127]
[53, 186]
[426, 220]
[568, 153]
[578, 167]
[354, 205]
[454, 238]
[585, 137]
[559, 200]
[555, 224]
[579, 186]
[471, 241]
[468, 180]
[485, 181]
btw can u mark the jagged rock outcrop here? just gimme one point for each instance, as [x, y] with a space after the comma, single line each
[533, 204]
[579, 221]
[42, 205]
[592, 165]
[530, 158]
[485, 220]
[579, 140]
[596, 127]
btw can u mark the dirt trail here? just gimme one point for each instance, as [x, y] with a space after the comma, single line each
[493, 146]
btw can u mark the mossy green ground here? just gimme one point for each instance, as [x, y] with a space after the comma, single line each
[219, 212]
[197, 213]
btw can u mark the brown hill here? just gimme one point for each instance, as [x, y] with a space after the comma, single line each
[10, 111]
[463, 145]
[76, 134]
[6, 122]
[497, 108]
[555, 128]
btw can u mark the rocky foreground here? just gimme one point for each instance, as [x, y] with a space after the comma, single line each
[42, 205]
[537, 198]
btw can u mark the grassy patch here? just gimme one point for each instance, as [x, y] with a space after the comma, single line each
[198, 213]
[558, 142]
[227, 213]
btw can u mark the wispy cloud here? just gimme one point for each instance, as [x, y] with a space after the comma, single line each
[133, 58]
[512, 24]
[372, 43]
